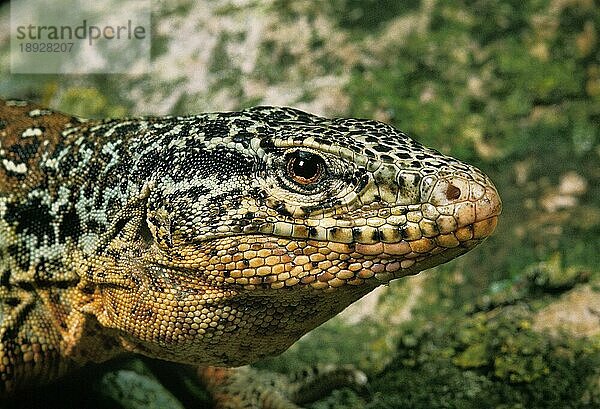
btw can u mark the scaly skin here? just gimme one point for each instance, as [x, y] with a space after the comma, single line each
[216, 239]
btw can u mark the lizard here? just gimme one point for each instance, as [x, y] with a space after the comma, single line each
[215, 239]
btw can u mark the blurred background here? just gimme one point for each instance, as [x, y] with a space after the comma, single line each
[512, 87]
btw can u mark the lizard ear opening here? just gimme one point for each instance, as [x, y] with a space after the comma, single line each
[145, 233]
[159, 224]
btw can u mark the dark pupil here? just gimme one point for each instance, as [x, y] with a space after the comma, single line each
[306, 165]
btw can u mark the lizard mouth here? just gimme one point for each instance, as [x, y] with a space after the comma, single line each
[262, 262]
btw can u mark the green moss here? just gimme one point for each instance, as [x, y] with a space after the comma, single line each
[473, 357]
[340, 399]
[495, 358]
[368, 15]
[552, 274]
[366, 345]
[89, 103]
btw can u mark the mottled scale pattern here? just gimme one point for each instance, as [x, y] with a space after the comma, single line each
[214, 239]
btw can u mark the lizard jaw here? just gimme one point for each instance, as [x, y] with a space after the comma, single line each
[265, 263]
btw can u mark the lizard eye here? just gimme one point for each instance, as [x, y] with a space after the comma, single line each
[305, 168]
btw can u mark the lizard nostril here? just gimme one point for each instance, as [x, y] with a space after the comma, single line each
[452, 192]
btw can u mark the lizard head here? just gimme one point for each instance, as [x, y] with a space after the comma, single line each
[262, 224]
